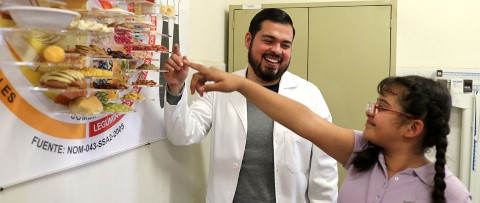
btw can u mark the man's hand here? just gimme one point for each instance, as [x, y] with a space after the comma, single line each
[177, 70]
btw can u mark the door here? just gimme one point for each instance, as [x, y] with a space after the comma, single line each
[349, 53]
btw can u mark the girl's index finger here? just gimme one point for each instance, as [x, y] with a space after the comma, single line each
[190, 64]
[195, 66]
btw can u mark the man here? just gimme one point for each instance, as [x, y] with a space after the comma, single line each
[253, 158]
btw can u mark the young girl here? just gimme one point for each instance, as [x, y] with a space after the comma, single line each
[386, 162]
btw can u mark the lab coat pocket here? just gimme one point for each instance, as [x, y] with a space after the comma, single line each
[297, 153]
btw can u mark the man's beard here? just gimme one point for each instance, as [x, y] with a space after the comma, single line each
[268, 74]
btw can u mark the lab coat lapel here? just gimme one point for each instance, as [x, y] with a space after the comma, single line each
[239, 103]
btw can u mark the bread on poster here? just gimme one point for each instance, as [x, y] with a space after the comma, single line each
[54, 54]
[63, 79]
[64, 98]
[85, 105]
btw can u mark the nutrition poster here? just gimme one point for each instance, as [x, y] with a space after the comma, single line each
[37, 139]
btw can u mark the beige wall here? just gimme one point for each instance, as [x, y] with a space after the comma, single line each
[431, 33]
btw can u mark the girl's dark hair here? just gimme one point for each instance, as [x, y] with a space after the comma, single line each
[429, 101]
[272, 14]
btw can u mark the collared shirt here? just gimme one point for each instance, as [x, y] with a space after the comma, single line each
[412, 185]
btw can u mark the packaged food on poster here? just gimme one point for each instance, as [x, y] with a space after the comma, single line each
[148, 67]
[109, 86]
[132, 95]
[167, 10]
[117, 108]
[90, 26]
[95, 72]
[144, 82]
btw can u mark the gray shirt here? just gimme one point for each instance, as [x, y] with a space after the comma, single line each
[256, 182]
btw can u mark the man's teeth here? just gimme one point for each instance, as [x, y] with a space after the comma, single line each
[272, 60]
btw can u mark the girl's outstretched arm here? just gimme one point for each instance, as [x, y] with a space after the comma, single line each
[334, 140]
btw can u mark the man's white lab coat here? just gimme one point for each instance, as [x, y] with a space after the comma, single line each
[303, 173]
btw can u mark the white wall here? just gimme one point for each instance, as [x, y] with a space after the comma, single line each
[431, 34]
[158, 172]
[443, 34]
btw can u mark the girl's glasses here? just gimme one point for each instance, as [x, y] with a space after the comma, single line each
[373, 108]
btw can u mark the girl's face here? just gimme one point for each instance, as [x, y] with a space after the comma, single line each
[385, 125]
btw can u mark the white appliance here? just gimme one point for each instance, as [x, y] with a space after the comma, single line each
[463, 153]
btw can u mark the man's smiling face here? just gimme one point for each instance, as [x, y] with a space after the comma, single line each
[270, 50]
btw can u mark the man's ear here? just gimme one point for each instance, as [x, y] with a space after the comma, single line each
[415, 128]
[248, 39]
